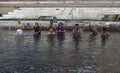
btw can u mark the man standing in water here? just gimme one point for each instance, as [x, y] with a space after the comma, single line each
[19, 33]
[76, 31]
[51, 28]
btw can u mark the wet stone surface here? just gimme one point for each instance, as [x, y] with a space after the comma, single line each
[59, 55]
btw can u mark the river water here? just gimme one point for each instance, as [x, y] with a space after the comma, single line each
[59, 55]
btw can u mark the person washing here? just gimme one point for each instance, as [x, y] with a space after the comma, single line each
[105, 34]
[93, 31]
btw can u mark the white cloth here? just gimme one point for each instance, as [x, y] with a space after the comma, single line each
[51, 32]
[19, 32]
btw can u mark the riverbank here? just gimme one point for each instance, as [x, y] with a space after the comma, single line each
[99, 28]
[28, 24]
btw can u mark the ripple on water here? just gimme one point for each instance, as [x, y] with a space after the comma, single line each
[59, 56]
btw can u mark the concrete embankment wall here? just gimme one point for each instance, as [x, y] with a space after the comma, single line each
[28, 24]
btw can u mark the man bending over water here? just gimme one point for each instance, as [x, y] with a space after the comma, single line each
[94, 31]
[105, 34]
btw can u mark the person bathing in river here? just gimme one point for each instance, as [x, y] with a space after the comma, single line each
[76, 31]
[19, 32]
[51, 28]
[60, 29]
[105, 34]
[36, 29]
[93, 31]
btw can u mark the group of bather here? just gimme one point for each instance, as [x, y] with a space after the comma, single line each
[60, 30]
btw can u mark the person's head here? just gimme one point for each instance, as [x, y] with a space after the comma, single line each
[76, 24]
[36, 24]
[60, 24]
[104, 29]
[51, 21]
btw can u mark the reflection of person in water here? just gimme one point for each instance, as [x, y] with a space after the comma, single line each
[36, 29]
[19, 32]
[94, 31]
[36, 41]
[76, 31]
[76, 43]
[51, 37]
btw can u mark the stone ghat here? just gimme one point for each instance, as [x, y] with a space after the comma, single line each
[28, 25]
[69, 28]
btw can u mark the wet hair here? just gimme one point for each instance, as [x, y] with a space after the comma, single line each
[104, 29]
[60, 23]
[76, 24]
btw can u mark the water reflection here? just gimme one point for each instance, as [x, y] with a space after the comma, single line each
[60, 39]
[92, 42]
[59, 55]
[103, 41]
[18, 64]
[36, 41]
[19, 38]
[76, 42]
[51, 38]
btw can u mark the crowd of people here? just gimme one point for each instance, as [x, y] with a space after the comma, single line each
[60, 31]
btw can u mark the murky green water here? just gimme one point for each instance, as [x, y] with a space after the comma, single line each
[59, 55]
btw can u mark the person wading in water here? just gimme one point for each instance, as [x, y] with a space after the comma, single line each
[19, 32]
[51, 30]
[76, 31]
[93, 31]
[36, 29]
[105, 34]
